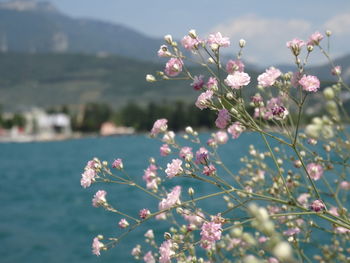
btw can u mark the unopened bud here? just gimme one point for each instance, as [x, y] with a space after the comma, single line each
[328, 93]
[167, 235]
[150, 78]
[192, 33]
[190, 191]
[229, 95]
[242, 43]
[211, 61]
[189, 130]
[168, 39]
[328, 33]
[283, 251]
[214, 46]
[310, 48]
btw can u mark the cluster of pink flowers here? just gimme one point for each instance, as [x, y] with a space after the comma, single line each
[274, 110]
[190, 43]
[159, 126]
[172, 199]
[317, 206]
[309, 83]
[222, 119]
[236, 129]
[144, 213]
[99, 198]
[210, 233]
[150, 177]
[218, 39]
[90, 173]
[173, 67]
[149, 258]
[269, 77]
[166, 252]
[97, 246]
[315, 170]
[186, 153]
[204, 99]
[212, 83]
[237, 80]
[209, 170]
[174, 168]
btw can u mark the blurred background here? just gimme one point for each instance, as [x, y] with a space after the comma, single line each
[76, 69]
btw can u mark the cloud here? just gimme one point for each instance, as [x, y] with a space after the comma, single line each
[340, 24]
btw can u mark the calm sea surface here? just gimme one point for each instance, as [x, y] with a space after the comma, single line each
[46, 216]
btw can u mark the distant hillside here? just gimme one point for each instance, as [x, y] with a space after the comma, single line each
[36, 27]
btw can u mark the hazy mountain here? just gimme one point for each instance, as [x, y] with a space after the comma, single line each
[37, 27]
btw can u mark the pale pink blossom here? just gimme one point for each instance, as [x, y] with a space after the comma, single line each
[198, 82]
[136, 251]
[236, 129]
[169, 137]
[269, 78]
[210, 233]
[209, 170]
[190, 43]
[123, 223]
[93, 164]
[237, 80]
[315, 171]
[315, 39]
[204, 99]
[144, 213]
[165, 150]
[174, 168]
[161, 216]
[342, 230]
[88, 177]
[303, 198]
[292, 231]
[173, 67]
[344, 185]
[219, 40]
[118, 164]
[186, 153]
[234, 65]
[295, 45]
[309, 83]
[212, 83]
[96, 246]
[149, 234]
[166, 252]
[163, 51]
[172, 199]
[99, 198]
[150, 177]
[222, 119]
[336, 70]
[317, 206]
[148, 258]
[196, 218]
[221, 137]
[333, 211]
[159, 126]
[202, 156]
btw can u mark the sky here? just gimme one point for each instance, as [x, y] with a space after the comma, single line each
[266, 25]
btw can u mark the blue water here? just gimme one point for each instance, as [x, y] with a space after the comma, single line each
[46, 216]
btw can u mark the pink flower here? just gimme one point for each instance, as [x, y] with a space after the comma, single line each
[295, 45]
[315, 171]
[334, 211]
[222, 119]
[118, 164]
[292, 231]
[99, 198]
[173, 67]
[262, 239]
[342, 230]
[195, 218]
[237, 80]
[148, 258]
[234, 65]
[88, 177]
[211, 232]
[279, 112]
[317, 206]
[136, 251]
[190, 43]
[202, 156]
[96, 246]
[336, 71]
[309, 83]
[159, 126]
[344, 185]
[186, 153]
[315, 39]
[209, 170]
[198, 82]
[165, 150]
[236, 129]
[163, 51]
[221, 137]
[174, 168]
[219, 40]
[212, 83]
[144, 213]
[172, 198]
[269, 77]
[149, 234]
[150, 177]
[123, 223]
[166, 252]
[303, 198]
[203, 100]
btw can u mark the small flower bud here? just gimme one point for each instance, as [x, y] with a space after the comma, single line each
[328, 33]
[242, 43]
[189, 130]
[328, 93]
[167, 235]
[192, 33]
[310, 48]
[168, 39]
[214, 46]
[229, 95]
[283, 251]
[190, 191]
[150, 78]
[211, 61]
